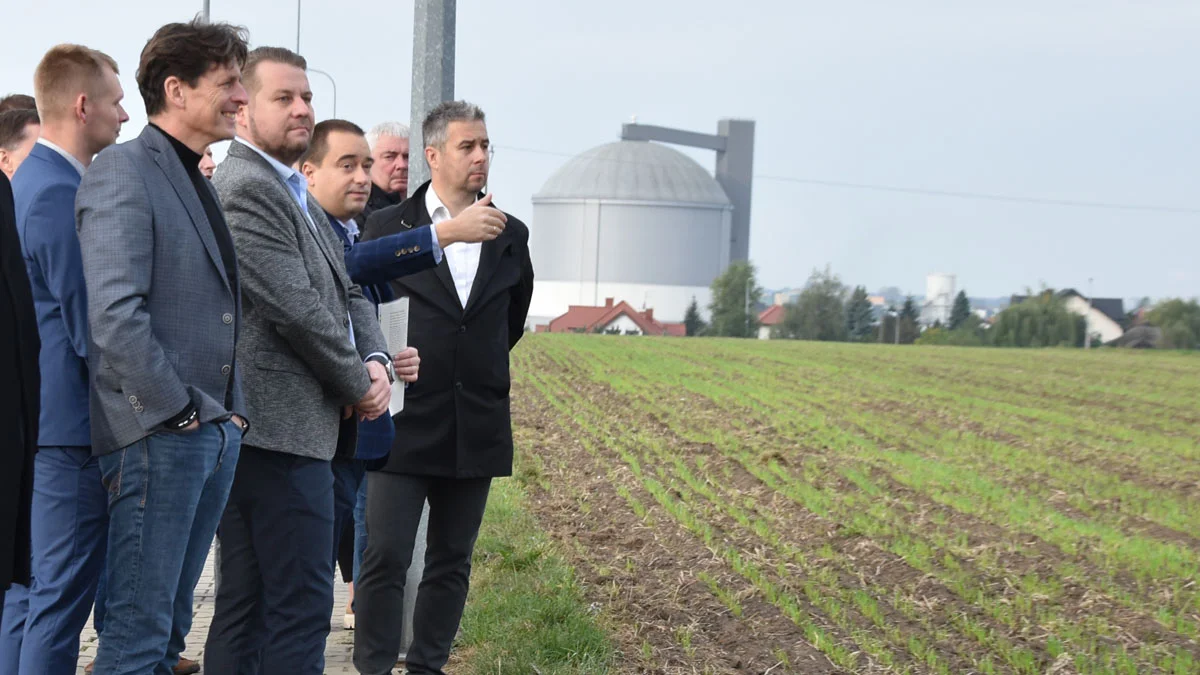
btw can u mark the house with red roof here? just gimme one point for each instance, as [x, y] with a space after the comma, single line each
[613, 318]
[768, 319]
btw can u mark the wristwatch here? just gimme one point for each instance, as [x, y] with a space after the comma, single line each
[387, 365]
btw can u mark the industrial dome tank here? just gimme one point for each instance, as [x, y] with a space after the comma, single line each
[632, 220]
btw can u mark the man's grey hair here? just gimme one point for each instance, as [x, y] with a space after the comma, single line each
[393, 129]
[433, 129]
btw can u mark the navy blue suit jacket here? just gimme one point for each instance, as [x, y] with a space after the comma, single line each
[44, 190]
[372, 265]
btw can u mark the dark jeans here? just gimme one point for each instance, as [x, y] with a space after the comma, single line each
[165, 495]
[360, 526]
[393, 512]
[69, 530]
[276, 592]
[348, 475]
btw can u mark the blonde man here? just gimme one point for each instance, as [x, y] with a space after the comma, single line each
[79, 98]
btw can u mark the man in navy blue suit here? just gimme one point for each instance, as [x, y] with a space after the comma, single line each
[79, 97]
[338, 168]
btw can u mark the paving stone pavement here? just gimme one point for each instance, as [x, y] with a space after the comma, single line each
[337, 647]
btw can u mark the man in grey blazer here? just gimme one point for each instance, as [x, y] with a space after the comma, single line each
[167, 412]
[316, 362]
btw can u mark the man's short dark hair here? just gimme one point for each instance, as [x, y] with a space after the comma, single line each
[268, 55]
[319, 145]
[17, 102]
[187, 51]
[14, 125]
[433, 129]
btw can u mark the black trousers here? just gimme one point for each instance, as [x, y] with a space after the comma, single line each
[276, 593]
[348, 475]
[393, 512]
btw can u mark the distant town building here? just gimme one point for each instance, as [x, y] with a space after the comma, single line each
[787, 296]
[879, 305]
[939, 299]
[616, 318]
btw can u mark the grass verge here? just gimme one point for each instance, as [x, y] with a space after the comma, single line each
[526, 612]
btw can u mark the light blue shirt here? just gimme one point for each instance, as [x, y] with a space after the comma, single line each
[291, 177]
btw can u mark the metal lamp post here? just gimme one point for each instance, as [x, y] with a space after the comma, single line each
[332, 82]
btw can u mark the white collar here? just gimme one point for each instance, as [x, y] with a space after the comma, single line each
[349, 226]
[78, 165]
[433, 203]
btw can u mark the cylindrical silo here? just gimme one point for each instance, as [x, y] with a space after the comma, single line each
[632, 220]
[939, 298]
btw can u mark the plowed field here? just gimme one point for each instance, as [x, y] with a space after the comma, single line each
[736, 506]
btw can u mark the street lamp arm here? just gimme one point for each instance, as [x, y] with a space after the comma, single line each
[332, 82]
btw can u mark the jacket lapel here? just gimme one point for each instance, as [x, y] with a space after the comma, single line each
[420, 216]
[442, 271]
[316, 213]
[338, 229]
[489, 259]
[318, 225]
[177, 177]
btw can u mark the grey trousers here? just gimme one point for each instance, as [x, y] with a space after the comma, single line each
[394, 504]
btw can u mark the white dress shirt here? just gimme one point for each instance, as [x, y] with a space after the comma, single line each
[461, 257]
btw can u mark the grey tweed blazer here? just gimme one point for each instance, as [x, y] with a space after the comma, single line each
[162, 316]
[301, 366]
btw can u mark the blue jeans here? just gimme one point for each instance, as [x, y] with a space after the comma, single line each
[101, 597]
[166, 494]
[360, 526]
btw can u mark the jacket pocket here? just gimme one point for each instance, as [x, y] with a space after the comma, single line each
[281, 363]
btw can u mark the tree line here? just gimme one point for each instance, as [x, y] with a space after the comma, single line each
[829, 310]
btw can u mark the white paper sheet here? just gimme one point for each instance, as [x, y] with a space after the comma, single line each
[393, 318]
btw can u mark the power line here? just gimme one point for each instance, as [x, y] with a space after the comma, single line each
[926, 192]
[984, 196]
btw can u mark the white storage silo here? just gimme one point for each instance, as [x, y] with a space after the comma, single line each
[939, 299]
[633, 220]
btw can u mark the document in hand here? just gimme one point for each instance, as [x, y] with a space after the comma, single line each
[393, 318]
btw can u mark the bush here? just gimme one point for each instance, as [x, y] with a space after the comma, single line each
[1179, 321]
[1042, 320]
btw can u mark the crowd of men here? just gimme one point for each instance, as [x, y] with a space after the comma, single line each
[197, 353]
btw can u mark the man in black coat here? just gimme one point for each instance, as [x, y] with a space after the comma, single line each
[19, 399]
[454, 434]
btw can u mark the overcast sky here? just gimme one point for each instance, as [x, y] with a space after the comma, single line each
[1090, 101]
